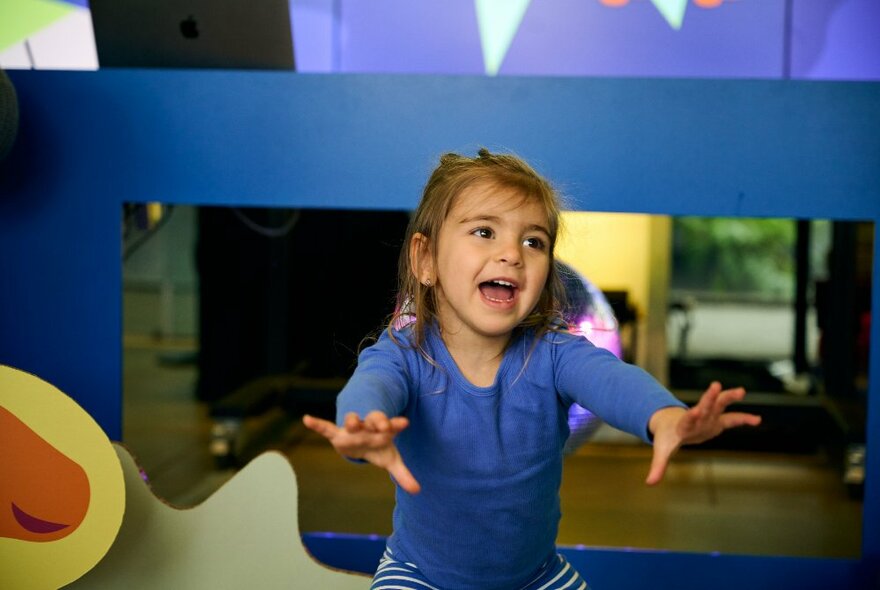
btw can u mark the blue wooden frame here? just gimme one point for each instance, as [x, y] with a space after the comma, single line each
[90, 141]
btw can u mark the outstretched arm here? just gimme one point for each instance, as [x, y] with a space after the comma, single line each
[673, 427]
[371, 439]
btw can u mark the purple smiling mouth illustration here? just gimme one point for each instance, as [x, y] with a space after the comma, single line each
[34, 524]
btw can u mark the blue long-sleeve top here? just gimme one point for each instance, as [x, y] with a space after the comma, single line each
[489, 459]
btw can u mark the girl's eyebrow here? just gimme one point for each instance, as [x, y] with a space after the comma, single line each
[495, 219]
[540, 228]
[471, 219]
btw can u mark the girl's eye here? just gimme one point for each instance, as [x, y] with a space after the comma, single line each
[536, 243]
[483, 232]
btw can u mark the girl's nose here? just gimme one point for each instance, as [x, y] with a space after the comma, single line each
[509, 253]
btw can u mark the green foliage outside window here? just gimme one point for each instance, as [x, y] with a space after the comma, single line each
[735, 257]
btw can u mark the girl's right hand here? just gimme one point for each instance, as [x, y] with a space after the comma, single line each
[371, 439]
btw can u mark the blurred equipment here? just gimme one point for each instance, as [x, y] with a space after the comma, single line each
[193, 34]
[587, 313]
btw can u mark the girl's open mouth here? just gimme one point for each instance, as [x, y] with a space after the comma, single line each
[499, 291]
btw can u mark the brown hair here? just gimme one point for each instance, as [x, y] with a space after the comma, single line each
[417, 303]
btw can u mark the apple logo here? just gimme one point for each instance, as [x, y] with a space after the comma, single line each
[189, 27]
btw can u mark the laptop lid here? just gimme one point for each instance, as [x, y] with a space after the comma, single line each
[234, 34]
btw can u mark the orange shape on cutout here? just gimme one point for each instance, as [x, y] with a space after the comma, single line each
[44, 495]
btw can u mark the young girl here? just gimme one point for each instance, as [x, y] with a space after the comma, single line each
[464, 398]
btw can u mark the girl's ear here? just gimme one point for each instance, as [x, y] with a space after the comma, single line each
[420, 258]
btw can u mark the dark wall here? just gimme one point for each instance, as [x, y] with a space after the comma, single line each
[290, 290]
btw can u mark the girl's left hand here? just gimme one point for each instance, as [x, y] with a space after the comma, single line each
[673, 427]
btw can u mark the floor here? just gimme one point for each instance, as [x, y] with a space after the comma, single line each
[732, 502]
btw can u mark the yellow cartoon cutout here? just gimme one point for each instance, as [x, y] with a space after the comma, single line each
[76, 513]
[62, 493]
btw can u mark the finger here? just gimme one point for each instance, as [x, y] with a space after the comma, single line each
[323, 427]
[353, 422]
[728, 397]
[721, 403]
[709, 397]
[659, 462]
[398, 424]
[734, 419]
[377, 422]
[404, 478]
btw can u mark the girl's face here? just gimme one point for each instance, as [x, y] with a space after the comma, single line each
[493, 258]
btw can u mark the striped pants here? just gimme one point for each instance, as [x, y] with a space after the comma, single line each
[556, 574]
